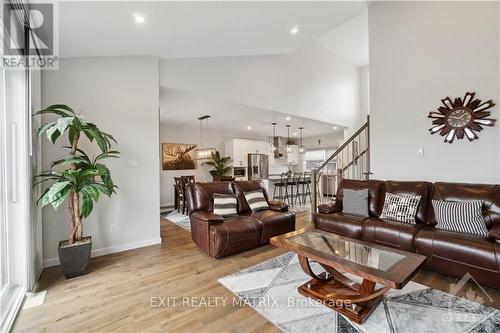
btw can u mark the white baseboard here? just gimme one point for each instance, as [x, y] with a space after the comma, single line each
[112, 249]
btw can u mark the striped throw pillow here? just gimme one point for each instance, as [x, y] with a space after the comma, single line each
[465, 217]
[225, 205]
[256, 200]
[401, 208]
[355, 202]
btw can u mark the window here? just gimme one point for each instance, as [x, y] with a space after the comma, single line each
[3, 227]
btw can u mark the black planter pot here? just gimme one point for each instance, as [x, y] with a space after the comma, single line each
[74, 258]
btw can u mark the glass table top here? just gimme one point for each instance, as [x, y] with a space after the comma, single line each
[353, 251]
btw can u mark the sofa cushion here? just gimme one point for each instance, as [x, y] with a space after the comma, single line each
[340, 223]
[279, 206]
[400, 208]
[457, 254]
[327, 208]
[256, 200]
[374, 193]
[201, 195]
[225, 205]
[355, 202]
[423, 189]
[240, 187]
[274, 223]
[234, 235]
[390, 233]
[464, 217]
[494, 233]
[488, 194]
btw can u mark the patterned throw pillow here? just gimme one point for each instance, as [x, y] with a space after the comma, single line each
[401, 208]
[224, 205]
[355, 202]
[256, 200]
[465, 217]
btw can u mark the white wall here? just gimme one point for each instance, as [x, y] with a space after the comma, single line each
[120, 95]
[364, 93]
[327, 141]
[419, 54]
[36, 228]
[309, 82]
[185, 134]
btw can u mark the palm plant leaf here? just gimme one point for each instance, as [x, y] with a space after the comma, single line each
[218, 164]
[87, 204]
[78, 175]
[54, 193]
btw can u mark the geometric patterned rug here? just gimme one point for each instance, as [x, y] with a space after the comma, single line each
[178, 218]
[270, 288]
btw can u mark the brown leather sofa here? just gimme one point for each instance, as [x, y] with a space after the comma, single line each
[218, 236]
[447, 252]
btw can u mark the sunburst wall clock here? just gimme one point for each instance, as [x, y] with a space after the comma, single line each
[462, 117]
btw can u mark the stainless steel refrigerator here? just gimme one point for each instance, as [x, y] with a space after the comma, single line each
[258, 166]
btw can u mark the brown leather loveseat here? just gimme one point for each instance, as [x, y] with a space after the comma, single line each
[218, 236]
[447, 252]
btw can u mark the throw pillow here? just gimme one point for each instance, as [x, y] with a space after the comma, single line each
[401, 208]
[355, 202]
[224, 205]
[465, 217]
[256, 200]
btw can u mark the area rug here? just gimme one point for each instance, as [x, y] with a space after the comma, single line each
[177, 218]
[270, 288]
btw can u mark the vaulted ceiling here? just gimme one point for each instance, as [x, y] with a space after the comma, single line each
[196, 29]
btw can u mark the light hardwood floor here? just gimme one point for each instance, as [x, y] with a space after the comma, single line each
[115, 296]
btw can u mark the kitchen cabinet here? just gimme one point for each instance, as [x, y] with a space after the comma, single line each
[238, 150]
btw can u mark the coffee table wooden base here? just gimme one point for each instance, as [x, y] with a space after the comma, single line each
[354, 300]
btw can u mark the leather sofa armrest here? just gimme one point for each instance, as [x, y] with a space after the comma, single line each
[327, 209]
[278, 206]
[208, 217]
[494, 233]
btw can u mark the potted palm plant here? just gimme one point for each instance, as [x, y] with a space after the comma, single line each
[219, 165]
[78, 179]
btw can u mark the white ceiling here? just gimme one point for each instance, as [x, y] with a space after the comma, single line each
[179, 108]
[196, 29]
[350, 40]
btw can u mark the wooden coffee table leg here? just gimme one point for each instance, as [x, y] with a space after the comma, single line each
[335, 290]
[304, 263]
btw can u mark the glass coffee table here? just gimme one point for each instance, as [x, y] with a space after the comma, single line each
[374, 264]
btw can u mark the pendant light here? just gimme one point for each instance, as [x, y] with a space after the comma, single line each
[302, 149]
[203, 153]
[288, 145]
[273, 147]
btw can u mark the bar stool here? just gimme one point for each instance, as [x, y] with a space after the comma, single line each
[305, 183]
[282, 187]
[296, 183]
[318, 192]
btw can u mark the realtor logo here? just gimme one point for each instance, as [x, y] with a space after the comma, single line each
[29, 35]
[470, 294]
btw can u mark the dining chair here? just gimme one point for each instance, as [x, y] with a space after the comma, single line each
[186, 180]
[179, 194]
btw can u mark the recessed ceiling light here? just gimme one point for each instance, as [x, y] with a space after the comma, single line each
[294, 30]
[288, 118]
[138, 18]
[249, 128]
[335, 127]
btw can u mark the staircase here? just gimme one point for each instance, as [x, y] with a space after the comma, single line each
[351, 160]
